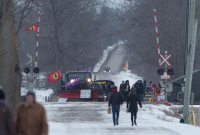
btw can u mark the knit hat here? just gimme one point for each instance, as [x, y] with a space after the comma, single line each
[2, 95]
[30, 92]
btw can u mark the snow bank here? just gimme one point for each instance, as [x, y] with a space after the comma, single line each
[39, 93]
[158, 112]
[103, 58]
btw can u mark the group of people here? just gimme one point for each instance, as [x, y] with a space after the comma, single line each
[139, 87]
[29, 117]
[116, 99]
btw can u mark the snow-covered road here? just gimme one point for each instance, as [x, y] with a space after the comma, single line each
[86, 118]
[116, 60]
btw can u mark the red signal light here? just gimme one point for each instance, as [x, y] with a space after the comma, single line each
[170, 72]
[26, 70]
[161, 71]
[36, 70]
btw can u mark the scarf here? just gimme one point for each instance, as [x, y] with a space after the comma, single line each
[114, 90]
[126, 87]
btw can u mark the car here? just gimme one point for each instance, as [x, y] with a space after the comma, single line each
[104, 82]
[107, 69]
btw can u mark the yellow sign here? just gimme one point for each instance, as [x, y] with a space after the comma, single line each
[101, 82]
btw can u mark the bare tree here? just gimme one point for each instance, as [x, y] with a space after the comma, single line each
[9, 64]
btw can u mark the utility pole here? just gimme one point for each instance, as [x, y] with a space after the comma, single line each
[190, 58]
[165, 79]
[186, 35]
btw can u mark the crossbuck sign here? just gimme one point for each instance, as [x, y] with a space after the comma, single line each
[165, 60]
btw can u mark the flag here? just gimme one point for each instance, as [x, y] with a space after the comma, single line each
[33, 27]
[55, 76]
[86, 70]
[74, 81]
[124, 65]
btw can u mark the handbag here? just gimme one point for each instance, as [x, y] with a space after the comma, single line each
[127, 110]
[109, 111]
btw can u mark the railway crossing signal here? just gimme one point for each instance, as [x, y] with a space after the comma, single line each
[36, 70]
[165, 60]
[170, 72]
[31, 79]
[26, 70]
[161, 71]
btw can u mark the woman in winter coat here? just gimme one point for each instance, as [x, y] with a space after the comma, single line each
[127, 90]
[132, 105]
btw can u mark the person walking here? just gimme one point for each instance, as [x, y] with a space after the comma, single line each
[138, 87]
[122, 88]
[6, 117]
[30, 117]
[127, 90]
[108, 90]
[142, 90]
[132, 106]
[116, 99]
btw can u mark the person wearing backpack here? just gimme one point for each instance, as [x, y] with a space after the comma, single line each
[116, 99]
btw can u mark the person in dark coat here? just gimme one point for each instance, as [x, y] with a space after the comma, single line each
[127, 90]
[6, 117]
[132, 105]
[122, 88]
[138, 87]
[142, 90]
[116, 99]
[108, 90]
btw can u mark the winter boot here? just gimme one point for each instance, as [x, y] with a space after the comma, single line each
[135, 122]
[132, 124]
[117, 122]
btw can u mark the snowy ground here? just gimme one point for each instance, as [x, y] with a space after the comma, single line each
[85, 118]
